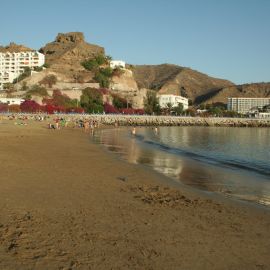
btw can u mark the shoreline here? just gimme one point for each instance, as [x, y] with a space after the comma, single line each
[65, 203]
[174, 183]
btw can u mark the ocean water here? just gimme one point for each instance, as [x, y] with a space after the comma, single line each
[232, 161]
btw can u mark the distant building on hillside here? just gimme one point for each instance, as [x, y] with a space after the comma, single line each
[12, 64]
[174, 100]
[117, 63]
[245, 105]
[11, 101]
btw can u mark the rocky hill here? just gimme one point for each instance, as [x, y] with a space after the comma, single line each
[260, 90]
[172, 79]
[65, 54]
[13, 47]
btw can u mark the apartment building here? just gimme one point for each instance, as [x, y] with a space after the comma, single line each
[13, 64]
[11, 101]
[174, 100]
[244, 105]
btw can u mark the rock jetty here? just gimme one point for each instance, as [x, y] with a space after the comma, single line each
[131, 120]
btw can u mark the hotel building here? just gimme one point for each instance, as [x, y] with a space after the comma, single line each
[13, 64]
[174, 100]
[244, 105]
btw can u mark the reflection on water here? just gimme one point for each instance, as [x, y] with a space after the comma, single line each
[232, 161]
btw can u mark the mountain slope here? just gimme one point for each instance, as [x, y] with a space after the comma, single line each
[258, 90]
[172, 79]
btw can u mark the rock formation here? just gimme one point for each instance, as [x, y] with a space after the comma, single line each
[68, 50]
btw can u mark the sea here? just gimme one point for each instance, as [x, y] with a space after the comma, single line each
[234, 162]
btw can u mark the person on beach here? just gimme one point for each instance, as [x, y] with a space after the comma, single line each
[133, 132]
[57, 123]
[86, 126]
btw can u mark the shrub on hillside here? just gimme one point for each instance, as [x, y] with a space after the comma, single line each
[37, 91]
[26, 73]
[91, 100]
[108, 108]
[30, 106]
[60, 100]
[3, 107]
[14, 108]
[49, 80]
[119, 102]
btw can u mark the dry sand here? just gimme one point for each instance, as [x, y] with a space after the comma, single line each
[66, 204]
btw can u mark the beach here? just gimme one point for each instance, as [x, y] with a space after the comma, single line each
[67, 204]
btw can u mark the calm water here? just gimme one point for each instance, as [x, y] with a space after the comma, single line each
[232, 161]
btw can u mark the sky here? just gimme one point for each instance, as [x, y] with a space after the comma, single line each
[227, 39]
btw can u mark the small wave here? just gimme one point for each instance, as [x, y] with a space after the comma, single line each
[233, 164]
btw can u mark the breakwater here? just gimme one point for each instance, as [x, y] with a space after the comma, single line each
[135, 120]
[147, 120]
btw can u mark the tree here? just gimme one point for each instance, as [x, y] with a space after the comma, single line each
[24, 86]
[90, 64]
[95, 63]
[179, 109]
[215, 111]
[103, 77]
[169, 107]
[49, 80]
[91, 100]
[120, 103]
[101, 59]
[151, 103]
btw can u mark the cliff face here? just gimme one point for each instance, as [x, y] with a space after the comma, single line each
[172, 79]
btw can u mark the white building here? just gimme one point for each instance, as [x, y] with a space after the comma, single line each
[244, 105]
[11, 101]
[173, 100]
[13, 64]
[117, 64]
[263, 115]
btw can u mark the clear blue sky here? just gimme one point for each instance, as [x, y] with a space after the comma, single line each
[223, 38]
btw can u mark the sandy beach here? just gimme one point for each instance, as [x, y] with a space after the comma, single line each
[67, 204]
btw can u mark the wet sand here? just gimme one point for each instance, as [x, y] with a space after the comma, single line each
[66, 204]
